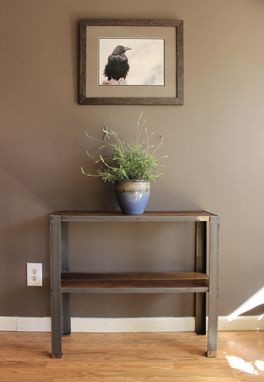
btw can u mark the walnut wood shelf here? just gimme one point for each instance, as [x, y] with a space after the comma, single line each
[203, 281]
[170, 282]
[149, 216]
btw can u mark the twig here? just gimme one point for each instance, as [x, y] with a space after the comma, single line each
[87, 174]
[158, 147]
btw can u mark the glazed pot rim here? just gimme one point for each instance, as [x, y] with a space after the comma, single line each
[133, 180]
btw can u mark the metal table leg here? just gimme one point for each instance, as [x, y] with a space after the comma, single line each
[213, 286]
[55, 269]
[65, 268]
[200, 266]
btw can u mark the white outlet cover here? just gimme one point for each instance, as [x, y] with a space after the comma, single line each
[34, 274]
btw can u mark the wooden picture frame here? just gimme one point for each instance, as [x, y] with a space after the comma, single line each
[155, 75]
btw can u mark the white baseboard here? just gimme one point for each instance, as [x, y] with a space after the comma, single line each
[241, 323]
[141, 324]
[25, 324]
[144, 324]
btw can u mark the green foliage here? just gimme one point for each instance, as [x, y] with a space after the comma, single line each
[134, 162]
[119, 160]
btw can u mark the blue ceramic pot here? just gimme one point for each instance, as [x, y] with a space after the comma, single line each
[132, 196]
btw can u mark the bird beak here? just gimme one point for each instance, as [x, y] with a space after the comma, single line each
[127, 48]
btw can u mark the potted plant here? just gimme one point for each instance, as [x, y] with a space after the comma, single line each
[131, 167]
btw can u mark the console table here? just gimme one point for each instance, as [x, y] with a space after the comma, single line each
[203, 281]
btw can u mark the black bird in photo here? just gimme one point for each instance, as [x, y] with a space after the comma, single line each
[117, 65]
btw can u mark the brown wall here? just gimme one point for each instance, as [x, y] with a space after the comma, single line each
[214, 143]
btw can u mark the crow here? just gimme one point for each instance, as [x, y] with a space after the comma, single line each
[117, 65]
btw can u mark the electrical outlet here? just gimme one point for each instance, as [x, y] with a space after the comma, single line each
[34, 274]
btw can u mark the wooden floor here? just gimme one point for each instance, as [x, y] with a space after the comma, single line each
[24, 357]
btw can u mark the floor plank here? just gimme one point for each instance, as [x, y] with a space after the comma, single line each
[131, 357]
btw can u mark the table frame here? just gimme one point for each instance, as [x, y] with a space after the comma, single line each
[206, 261]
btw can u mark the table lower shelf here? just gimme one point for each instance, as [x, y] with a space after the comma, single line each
[168, 282]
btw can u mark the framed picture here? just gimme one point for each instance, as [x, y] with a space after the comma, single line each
[131, 62]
